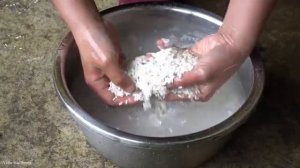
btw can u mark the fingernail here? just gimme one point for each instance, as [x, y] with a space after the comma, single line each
[130, 89]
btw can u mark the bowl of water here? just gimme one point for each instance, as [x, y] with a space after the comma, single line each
[187, 133]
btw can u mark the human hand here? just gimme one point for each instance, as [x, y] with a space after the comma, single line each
[218, 60]
[101, 56]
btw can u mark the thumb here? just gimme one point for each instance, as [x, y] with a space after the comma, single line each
[119, 77]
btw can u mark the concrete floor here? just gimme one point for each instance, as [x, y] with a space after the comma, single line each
[36, 130]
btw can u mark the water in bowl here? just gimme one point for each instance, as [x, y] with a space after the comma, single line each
[180, 118]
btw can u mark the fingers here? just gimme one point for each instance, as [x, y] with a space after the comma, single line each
[162, 43]
[126, 100]
[190, 78]
[100, 86]
[109, 98]
[99, 83]
[216, 64]
[119, 77]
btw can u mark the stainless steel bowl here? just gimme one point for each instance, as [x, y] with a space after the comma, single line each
[140, 25]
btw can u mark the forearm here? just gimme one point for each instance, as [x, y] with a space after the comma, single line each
[79, 14]
[243, 22]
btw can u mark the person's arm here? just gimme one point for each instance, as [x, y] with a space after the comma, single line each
[243, 22]
[79, 14]
[222, 53]
[98, 46]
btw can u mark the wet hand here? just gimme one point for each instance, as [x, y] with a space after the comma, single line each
[218, 60]
[101, 56]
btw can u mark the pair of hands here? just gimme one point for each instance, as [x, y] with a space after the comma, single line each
[220, 54]
[101, 59]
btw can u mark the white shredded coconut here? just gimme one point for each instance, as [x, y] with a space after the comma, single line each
[154, 71]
